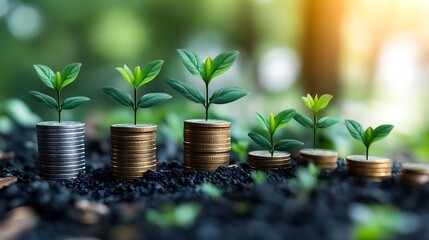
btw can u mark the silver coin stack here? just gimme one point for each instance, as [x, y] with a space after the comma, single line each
[61, 149]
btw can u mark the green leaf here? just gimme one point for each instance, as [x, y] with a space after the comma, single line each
[283, 118]
[327, 122]
[187, 91]
[46, 75]
[227, 95]
[355, 129]
[263, 122]
[208, 69]
[367, 136]
[287, 144]
[303, 120]
[74, 102]
[308, 101]
[222, 63]
[211, 190]
[260, 140]
[149, 72]
[258, 177]
[119, 96]
[152, 99]
[69, 73]
[272, 125]
[58, 81]
[44, 99]
[127, 75]
[192, 62]
[381, 132]
[322, 102]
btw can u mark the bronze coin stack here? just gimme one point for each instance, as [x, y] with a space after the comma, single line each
[321, 158]
[375, 168]
[415, 174]
[262, 160]
[133, 150]
[207, 144]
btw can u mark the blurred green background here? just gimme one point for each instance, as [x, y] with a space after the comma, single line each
[373, 56]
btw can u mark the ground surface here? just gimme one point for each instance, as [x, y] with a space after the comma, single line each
[272, 210]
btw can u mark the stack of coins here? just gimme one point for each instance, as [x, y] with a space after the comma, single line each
[415, 174]
[207, 144]
[263, 160]
[133, 150]
[61, 149]
[375, 168]
[321, 158]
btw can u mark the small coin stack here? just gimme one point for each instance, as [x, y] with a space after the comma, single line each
[133, 150]
[323, 159]
[207, 144]
[262, 160]
[375, 168]
[415, 174]
[61, 149]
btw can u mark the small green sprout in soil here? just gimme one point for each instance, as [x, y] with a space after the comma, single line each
[240, 148]
[368, 136]
[258, 177]
[138, 79]
[380, 222]
[211, 190]
[270, 126]
[174, 216]
[306, 181]
[207, 71]
[58, 81]
[316, 104]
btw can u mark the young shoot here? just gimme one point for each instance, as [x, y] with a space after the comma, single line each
[370, 135]
[316, 104]
[138, 79]
[270, 126]
[58, 81]
[207, 71]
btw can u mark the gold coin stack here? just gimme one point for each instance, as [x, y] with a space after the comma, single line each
[207, 144]
[263, 160]
[133, 150]
[415, 174]
[323, 159]
[375, 168]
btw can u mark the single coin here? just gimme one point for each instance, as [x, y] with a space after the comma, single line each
[203, 161]
[61, 147]
[63, 124]
[57, 161]
[139, 147]
[119, 152]
[149, 153]
[206, 159]
[317, 152]
[129, 127]
[61, 134]
[62, 167]
[137, 138]
[62, 151]
[211, 168]
[368, 174]
[132, 168]
[210, 123]
[134, 163]
[60, 143]
[373, 179]
[318, 159]
[56, 171]
[207, 140]
[371, 159]
[206, 150]
[47, 131]
[417, 168]
[206, 145]
[268, 167]
[266, 154]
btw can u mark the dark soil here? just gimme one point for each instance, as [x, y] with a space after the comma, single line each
[245, 211]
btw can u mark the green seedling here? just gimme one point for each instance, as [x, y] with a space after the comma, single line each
[58, 81]
[211, 190]
[174, 216]
[370, 135]
[240, 148]
[138, 79]
[316, 104]
[270, 126]
[258, 177]
[207, 71]
[380, 222]
[306, 181]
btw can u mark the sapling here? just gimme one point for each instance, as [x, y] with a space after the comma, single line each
[138, 79]
[58, 81]
[316, 104]
[207, 71]
[270, 126]
[370, 135]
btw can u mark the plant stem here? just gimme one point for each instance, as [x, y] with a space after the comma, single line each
[207, 101]
[59, 105]
[272, 145]
[367, 152]
[314, 130]
[135, 106]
